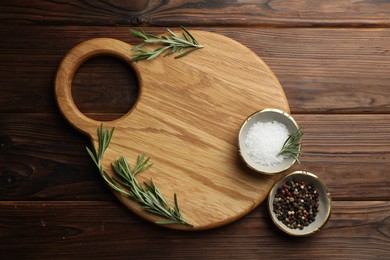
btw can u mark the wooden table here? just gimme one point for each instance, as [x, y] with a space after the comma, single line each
[331, 57]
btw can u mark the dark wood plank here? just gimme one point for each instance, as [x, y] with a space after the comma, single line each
[111, 89]
[351, 153]
[42, 158]
[101, 230]
[321, 70]
[173, 13]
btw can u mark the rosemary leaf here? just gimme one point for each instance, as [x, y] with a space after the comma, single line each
[149, 197]
[139, 46]
[142, 164]
[291, 147]
[113, 183]
[186, 32]
[92, 155]
[174, 34]
[187, 38]
[140, 34]
[177, 209]
[184, 53]
[165, 222]
[160, 196]
[171, 42]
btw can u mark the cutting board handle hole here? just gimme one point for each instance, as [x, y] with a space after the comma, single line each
[105, 88]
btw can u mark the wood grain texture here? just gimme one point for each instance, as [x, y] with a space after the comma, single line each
[187, 119]
[321, 70]
[349, 13]
[331, 57]
[101, 230]
[43, 158]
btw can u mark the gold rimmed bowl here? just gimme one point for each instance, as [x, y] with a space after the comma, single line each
[324, 203]
[264, 116]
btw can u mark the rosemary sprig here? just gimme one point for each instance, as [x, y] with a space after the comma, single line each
[172, 42]
[291, 147]
[148, 196]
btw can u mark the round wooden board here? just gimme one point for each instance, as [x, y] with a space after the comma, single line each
[186, 119]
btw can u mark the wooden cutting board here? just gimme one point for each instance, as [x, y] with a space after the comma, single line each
[186, 118]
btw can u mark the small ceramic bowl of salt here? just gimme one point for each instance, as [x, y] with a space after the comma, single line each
[262, 137]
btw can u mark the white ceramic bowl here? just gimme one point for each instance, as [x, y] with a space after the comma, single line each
[325, 203]
[266, 115]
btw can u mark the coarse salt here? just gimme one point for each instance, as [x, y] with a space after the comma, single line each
[264, 142]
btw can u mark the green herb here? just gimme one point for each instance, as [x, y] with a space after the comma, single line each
[291, 147]
[172, 42]
[124, 181]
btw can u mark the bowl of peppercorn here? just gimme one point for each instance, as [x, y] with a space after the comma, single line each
[300, 204]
